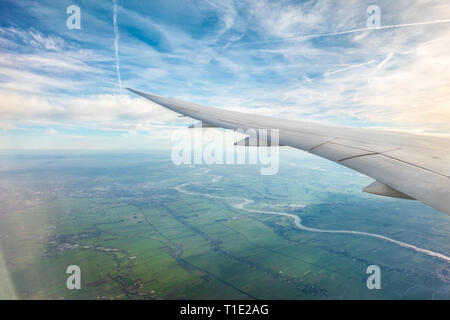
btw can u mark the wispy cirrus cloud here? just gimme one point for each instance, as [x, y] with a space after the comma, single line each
[311, 60]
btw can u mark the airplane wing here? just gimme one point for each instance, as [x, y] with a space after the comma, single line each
[403, 165]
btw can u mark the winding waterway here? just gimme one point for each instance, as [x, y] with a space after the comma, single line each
[241, 203]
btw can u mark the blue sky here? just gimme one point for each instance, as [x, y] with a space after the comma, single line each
[292, 59]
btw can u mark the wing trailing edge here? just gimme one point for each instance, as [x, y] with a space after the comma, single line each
[404, 165]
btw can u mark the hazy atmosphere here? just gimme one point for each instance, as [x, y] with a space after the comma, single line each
[309, 60]
[115, 194]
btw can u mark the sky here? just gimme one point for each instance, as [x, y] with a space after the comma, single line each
[64, 88]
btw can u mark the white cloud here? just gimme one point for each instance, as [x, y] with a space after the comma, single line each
[393, 77]
[100, 112]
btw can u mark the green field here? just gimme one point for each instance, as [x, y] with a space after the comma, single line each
[119, 218]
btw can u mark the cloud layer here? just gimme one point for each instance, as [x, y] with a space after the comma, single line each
[310, 60]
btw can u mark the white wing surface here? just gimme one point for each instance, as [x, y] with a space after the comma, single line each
[404, 165]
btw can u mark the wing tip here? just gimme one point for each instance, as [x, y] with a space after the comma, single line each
[133, 90]
[146, 95]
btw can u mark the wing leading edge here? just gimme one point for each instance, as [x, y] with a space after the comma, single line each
[404, 165]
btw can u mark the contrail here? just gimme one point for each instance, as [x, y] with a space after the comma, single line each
[116, 45]
[326, 74]
[311, 36]
[389, 57]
